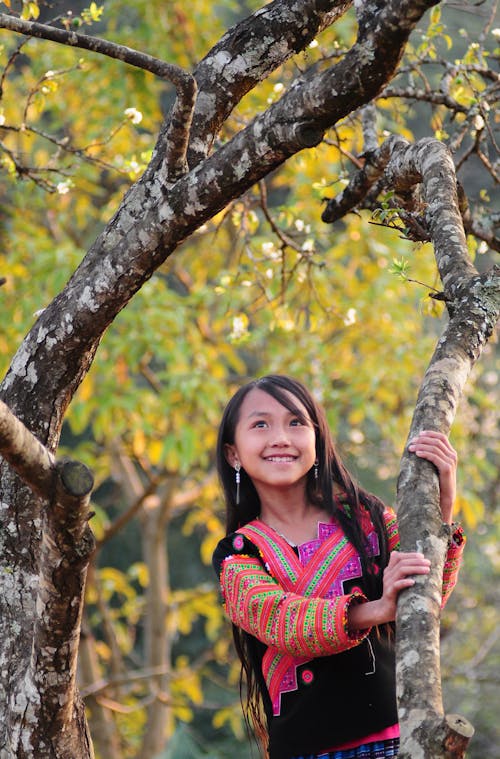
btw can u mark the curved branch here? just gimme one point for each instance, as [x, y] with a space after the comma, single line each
[473, 302]
[173, 160]
[474, 305]
[246, 55]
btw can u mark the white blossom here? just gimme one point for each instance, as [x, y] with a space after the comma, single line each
[240, 327]
[134, 115]
[64, 187]
[356, 436]
[350, 317]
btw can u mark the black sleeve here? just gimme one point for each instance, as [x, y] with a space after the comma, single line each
[231, 545]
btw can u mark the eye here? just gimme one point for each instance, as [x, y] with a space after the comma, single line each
[296, 422]
[259, 424]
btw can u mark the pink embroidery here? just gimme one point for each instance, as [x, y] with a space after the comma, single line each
[307, 676]
[307, 550]
[238, 542]
[332, 554]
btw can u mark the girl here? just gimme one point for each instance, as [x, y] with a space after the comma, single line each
[310, 576]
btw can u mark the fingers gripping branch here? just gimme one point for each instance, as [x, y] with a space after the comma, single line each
[174, 164]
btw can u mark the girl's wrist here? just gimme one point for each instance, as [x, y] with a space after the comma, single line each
[447, 513]
[368, 614]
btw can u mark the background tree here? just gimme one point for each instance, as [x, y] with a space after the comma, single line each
[274, 291]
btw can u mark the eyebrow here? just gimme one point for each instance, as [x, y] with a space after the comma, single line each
[269, 413]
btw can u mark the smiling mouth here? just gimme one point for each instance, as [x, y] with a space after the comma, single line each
[281, 459]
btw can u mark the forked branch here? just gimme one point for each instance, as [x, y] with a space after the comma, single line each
[177, 138]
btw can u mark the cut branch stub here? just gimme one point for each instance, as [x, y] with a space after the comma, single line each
[68, 513]
[459, 731]
[77, 478]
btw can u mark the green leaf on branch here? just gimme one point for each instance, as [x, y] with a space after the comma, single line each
[400, 267]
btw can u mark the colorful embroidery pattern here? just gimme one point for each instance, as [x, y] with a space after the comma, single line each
[453, 562]
[378, 750]
[297, 604]
[391, 526]
[306, 614]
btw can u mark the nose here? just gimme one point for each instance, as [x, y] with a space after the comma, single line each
[280, 438]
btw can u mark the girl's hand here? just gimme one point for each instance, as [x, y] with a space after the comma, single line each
[397, 576]
[435, 447]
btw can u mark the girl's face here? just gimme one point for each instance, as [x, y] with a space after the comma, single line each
[274, 447]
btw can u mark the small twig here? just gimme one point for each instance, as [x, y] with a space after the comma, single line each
[174, 164]
[284, 238]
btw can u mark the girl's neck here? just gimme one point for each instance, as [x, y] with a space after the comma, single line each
[296, 521]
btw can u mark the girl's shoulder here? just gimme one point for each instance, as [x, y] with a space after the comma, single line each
[344, 505]
[233, 544]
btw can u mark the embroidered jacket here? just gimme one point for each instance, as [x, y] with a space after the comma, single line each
[321, 684]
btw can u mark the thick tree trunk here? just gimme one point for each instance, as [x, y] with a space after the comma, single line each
[45, 716]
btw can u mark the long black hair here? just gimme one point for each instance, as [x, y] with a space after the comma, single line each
[332, 477]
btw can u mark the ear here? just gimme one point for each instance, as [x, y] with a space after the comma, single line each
[231, 455]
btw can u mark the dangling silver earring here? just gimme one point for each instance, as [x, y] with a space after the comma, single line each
[316, 464]
[237, 468]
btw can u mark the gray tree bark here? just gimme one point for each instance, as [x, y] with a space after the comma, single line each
[473, 302]
[51, 714]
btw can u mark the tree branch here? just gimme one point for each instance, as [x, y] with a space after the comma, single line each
[473, 302]
[474, 305]
[26, 455]
[360, 183]
[173, 161]
[247, 54]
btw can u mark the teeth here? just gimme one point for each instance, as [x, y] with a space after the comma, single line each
[280, 458]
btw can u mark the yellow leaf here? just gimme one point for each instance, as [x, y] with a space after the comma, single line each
[435, 15]
[139, 442]
[183, 713]
[155, 450]
[471, 509]
[86, 388]
[30, 10]
[103, 651]
[114, 581]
